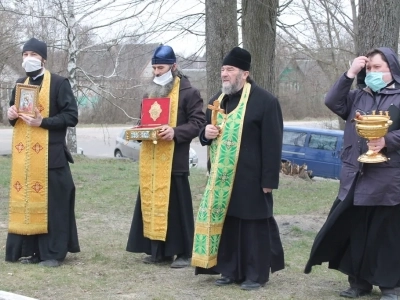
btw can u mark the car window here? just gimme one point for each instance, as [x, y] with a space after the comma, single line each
[294, 138]
[122, 134]
[323, 142]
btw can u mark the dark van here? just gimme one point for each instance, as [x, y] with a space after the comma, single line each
[318, 148]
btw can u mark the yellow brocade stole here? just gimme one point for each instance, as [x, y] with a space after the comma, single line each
[155, 166]
[29, 171]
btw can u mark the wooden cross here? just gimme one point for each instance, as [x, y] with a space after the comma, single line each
[214, 110]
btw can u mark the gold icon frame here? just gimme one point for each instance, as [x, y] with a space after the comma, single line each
[26, 98]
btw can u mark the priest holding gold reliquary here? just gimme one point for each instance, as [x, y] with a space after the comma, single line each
[171, 116]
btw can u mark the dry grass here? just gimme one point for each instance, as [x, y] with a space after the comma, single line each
[106, 193]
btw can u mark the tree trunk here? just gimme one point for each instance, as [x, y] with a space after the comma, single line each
[259, 34]
[72, 54]
[378, 25]
[221, 37]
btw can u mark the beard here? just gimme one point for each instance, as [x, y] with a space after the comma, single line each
[232, 88]
[160, 91]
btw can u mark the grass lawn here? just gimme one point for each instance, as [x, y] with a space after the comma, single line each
[106, 195]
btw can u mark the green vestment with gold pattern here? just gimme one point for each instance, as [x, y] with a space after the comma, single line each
[224, 153]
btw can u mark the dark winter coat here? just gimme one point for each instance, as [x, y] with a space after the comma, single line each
[63, 113]
[379, 183]
[190, 120]
[259, 158]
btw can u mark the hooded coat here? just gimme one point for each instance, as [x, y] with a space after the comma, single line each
[378, 183]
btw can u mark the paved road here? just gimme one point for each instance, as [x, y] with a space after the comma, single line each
[12, 296]
[100, 141]
[96, 141]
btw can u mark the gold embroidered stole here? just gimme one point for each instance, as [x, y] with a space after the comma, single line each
[155, 167]
[224, 153]
[29, 171]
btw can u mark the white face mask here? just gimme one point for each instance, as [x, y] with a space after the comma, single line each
[31, 64]
[163, 79]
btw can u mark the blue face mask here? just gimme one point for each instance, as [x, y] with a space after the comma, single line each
[374, 80]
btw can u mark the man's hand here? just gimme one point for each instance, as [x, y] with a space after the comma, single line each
[376, 145]
[211, 132]
[267, 190]
[166, 133]
[358, 64]
[12, 113]
[32, 121]
[359, 116]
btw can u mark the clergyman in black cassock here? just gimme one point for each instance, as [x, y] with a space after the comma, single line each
[50, 248]
[250, 245]
[178, 239]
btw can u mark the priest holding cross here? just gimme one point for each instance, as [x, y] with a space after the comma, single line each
[236, 234]
[215, 109]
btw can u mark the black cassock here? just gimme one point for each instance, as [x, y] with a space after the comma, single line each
[62, 236]
[250, 245]
[361, 242]
[180, 230]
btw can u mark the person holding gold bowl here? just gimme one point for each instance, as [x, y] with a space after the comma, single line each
[372, 126]
[361, 236]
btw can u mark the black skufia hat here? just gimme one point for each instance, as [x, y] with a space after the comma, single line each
[36, 46]
[239, 58]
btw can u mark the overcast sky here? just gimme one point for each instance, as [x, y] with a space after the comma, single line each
[152, 16]
[174, 9]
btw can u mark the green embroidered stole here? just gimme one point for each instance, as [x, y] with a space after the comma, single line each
[224, 153]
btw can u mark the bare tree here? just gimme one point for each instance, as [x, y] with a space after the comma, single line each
[221, 37]
[63, 22]
[323, 33]
[259, 34]
[380, 23]
[8, 62]
[333, 32]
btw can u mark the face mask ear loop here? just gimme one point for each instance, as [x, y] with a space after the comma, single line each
[391, 82]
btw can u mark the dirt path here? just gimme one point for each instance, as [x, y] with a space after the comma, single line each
[311, 223]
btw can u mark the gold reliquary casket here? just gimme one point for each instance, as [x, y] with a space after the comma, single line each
[155, 113]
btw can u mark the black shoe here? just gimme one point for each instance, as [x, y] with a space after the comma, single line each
[353, 292]
[51, 263]
[150, 260]
[224, 281]
[250, 285]
[180, 262]
[30, 260]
